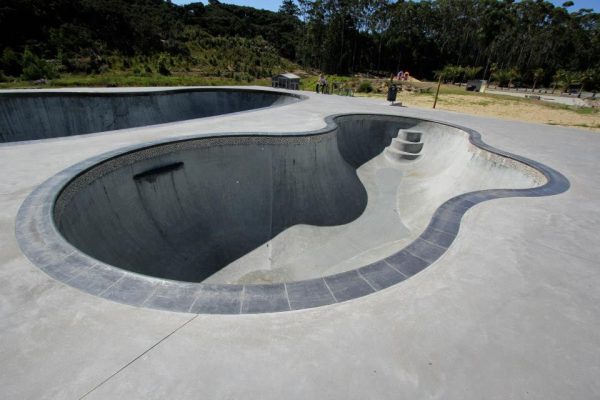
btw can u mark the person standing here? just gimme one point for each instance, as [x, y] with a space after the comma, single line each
[322, 84]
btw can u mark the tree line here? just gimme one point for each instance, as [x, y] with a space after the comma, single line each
[530, 41]
[526, 42]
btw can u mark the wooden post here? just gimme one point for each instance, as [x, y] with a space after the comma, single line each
[437, 92]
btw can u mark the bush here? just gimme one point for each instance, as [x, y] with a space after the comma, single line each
[365, 87]
[10, 63]
[162, 65]
[35, 68]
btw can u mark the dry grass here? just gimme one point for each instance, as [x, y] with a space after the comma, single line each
[511, 108]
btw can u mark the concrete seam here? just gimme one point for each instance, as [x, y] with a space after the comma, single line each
[365, 279]
[62, 259]
[69, 254]
[396, 269]
[242, 299]
[287, 296]
[435, 244]
[438, 230]
[150, 295]
[415, 256]
[194, 302]
[330, 291]
[110, 286]
[81, 272]
[139, 356]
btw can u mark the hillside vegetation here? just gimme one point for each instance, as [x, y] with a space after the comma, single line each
[530, 42]
[138, 42]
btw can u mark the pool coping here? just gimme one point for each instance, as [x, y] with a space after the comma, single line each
[45, 247]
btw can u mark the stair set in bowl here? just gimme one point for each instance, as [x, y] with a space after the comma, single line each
[406, 146]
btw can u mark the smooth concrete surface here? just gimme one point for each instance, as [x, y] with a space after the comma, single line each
[287, 197]
[509, 311]
[228, 198]
[33, 115]
[187, 210]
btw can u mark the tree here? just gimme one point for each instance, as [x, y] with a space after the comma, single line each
[288, 7]
[584, 78]
[471, 72]
[501, 76]
[538, 74]
[560, 79]
[452, 73]
[338, 36]
[513, 74]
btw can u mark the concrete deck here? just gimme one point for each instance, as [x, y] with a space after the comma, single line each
[509, 311]
[572, 100]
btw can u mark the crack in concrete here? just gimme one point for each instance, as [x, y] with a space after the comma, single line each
[138, 357]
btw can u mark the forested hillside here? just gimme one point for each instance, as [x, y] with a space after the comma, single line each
[43, 38]
[527, 41]
[425, 36]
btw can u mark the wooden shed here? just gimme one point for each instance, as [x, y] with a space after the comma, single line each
[286, 81]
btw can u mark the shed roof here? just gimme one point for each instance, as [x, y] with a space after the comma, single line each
[289, 76]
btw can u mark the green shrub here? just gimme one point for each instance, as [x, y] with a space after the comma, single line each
[10, 62]
[365, 87]
[162, 67]
[35, 68]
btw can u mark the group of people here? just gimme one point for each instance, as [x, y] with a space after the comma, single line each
[402, 76]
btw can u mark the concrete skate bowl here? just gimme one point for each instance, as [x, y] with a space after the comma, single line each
[42, 115]
[266, 223]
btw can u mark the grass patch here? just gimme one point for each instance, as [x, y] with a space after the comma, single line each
[309, 82]
[580, 125]
[125, 80]
[578, 110]
[594, 126]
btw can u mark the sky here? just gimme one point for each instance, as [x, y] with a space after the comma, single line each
[273, 5]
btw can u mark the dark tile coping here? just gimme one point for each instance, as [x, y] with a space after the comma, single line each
[47, 249]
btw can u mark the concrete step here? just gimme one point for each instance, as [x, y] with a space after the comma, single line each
[409, 136]
[405, 145]
[396, 155]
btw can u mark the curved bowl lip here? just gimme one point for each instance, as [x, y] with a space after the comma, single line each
[141, 91]
[45, 247]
